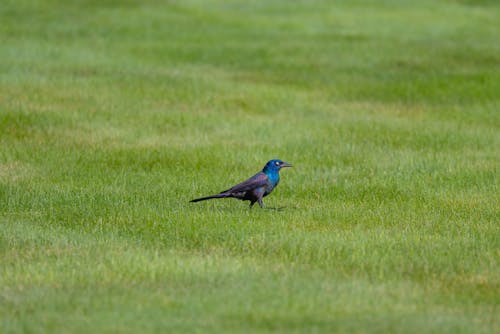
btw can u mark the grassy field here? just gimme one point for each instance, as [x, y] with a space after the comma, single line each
[114, 114]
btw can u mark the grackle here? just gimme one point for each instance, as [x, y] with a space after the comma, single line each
[256, 187]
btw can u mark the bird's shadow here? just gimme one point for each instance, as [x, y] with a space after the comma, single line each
[276, 208]
[281, 208]
[256, 209]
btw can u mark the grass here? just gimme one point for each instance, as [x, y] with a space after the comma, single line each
[114, 114]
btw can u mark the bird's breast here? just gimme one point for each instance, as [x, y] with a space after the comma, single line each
[274, 180]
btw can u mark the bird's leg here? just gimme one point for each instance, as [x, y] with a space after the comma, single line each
[251, 204]
[259, 194]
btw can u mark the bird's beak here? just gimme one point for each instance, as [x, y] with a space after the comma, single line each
[286, 164]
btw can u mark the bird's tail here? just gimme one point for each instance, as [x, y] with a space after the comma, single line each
[221, 195]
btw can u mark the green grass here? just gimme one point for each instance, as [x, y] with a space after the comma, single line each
[114, 114]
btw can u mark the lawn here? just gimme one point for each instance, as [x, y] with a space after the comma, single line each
[114, 114]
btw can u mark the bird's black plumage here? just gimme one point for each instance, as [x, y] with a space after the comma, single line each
[256, 187]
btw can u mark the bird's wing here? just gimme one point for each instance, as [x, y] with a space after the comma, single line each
[258, 180]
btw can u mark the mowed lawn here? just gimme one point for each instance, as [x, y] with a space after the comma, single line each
[114, 114]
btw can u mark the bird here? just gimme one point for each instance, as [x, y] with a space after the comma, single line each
[255, 188]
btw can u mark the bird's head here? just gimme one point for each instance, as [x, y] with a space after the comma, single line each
[275, 165]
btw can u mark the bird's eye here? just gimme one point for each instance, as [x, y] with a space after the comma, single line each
[277, 163]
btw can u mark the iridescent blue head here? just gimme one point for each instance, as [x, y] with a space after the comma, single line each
[274, 166]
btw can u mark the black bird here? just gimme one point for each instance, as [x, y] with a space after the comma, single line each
[256, 187]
